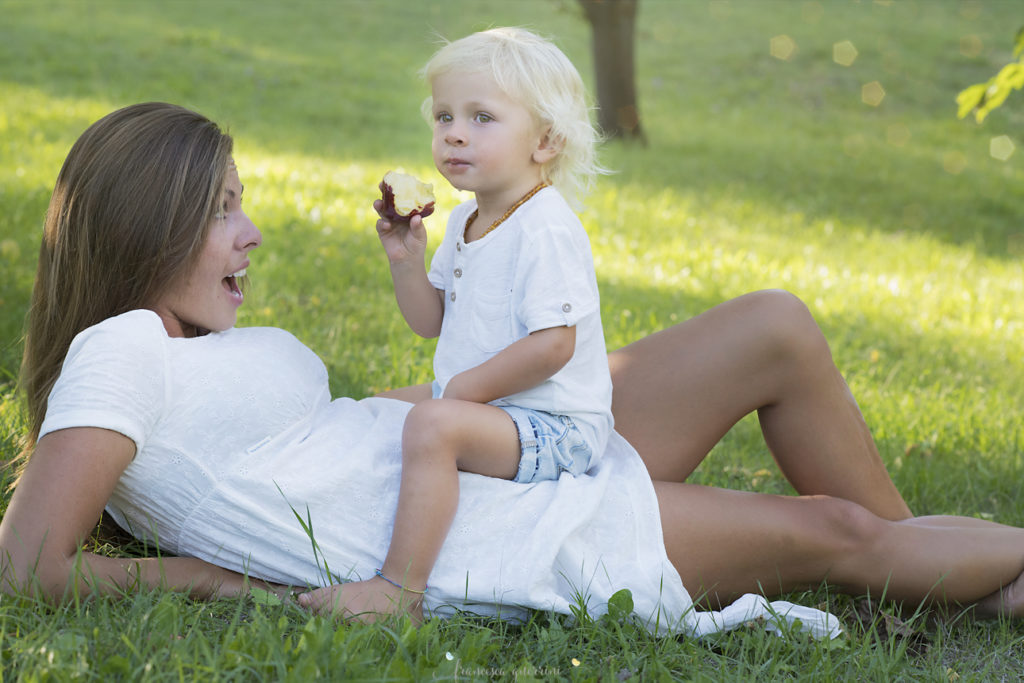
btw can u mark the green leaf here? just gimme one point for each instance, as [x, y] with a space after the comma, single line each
[1011, 77]
[115, 665]
[620, 605]
[970, 98]
[264, 597]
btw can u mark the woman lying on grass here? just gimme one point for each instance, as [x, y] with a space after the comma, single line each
[145, 400]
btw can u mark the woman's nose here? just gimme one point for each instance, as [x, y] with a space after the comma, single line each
[251, 235]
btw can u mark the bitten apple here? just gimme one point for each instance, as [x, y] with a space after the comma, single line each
[406, 196]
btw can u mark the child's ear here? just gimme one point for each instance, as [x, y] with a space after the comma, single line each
[547, 148]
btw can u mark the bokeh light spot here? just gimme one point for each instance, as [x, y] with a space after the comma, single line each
[897, 134]
[872, 93]
[844, 53]
[954, 162]
[782, 47]
[971, 46]
[1001, 147]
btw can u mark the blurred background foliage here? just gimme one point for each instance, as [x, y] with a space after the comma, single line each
[812, 145]
[806, 144]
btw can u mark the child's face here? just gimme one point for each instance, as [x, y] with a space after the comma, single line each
[484, 141]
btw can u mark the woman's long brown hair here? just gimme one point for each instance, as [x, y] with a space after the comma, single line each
[127, 219]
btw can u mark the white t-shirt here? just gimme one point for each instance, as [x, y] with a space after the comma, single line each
[533, 272]
[237, 436]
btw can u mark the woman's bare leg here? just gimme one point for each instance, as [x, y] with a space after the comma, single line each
[726, 543]
[677, 393]
[410, 394]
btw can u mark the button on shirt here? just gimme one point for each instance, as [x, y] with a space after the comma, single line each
[533, 272]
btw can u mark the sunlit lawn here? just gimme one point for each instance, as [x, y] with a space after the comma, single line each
[891, 219]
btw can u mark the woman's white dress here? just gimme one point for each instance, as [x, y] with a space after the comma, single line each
[244, 460]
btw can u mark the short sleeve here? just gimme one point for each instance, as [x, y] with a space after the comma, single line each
[113, 377]
[555, 279]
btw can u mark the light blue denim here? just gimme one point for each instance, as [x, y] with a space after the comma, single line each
[551, 444]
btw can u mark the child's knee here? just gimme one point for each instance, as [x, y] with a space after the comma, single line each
[430, 424]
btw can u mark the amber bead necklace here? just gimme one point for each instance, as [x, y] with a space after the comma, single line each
[512, 209]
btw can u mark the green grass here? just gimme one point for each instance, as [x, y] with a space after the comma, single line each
[893, 222]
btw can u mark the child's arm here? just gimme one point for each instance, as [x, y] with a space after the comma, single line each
[523, 364]
[405, 243]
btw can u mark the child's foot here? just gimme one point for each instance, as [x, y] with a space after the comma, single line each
[366, 601]
[1005, 602]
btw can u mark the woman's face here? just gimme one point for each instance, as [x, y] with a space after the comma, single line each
[208, 298]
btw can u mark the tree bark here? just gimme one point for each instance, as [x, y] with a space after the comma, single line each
[613, 28]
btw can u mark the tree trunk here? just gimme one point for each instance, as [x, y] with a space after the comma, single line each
[613, 24]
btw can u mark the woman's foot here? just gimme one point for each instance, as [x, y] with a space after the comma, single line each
[1005, 602]
[366, 601]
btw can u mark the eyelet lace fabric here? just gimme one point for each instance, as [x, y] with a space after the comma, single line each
[245, 461]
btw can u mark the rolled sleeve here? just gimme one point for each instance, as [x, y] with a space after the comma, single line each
[555, 280]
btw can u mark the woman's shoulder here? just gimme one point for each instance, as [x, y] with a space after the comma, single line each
[113, 377]
[133, 329]
[136, 339]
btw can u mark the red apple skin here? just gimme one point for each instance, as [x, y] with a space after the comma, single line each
[390, 213]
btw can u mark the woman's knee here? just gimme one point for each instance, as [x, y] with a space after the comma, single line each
[788, 328]
[843, 528]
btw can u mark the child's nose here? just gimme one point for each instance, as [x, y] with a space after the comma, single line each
[455, 136]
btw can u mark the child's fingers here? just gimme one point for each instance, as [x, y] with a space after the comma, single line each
[419, 231]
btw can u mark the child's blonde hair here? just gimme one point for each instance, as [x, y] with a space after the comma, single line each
[538, 75]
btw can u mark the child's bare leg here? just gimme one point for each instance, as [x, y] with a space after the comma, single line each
[440, 438]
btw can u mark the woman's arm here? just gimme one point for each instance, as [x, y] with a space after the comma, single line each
[54, 509]
[523, 364]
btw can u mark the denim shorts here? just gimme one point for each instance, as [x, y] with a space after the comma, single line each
[551, 444]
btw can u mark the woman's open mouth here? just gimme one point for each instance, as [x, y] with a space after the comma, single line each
[231, 283]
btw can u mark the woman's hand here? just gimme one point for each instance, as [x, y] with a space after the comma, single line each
[365, 601]
[54, 509]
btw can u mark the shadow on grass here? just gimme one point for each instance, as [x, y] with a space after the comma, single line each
[879, 191]
[323, 87]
